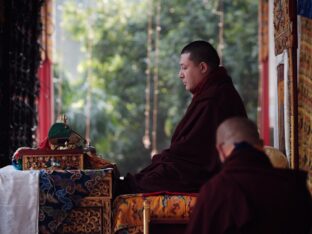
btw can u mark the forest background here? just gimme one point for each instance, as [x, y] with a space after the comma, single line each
[106, 100]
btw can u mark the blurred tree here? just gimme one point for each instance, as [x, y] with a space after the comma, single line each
[115, 34]
[241, 51]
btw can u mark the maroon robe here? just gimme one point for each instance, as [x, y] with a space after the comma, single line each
[192, 158]
[250, 196]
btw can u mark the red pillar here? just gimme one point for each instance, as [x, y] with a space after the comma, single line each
[264, 102]
[263, 33]
[45, 102]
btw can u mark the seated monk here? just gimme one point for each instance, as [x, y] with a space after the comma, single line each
[249, 195]
[191, 158]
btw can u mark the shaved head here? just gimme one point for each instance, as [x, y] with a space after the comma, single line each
[236, 130]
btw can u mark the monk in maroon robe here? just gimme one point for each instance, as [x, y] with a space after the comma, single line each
[249, 195]
[192, 158]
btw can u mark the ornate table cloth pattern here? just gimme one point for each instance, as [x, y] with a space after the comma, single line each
[75, 201]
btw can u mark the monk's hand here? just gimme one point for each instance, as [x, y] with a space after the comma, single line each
[155, 156]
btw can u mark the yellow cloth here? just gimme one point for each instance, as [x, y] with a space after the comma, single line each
[277, 158]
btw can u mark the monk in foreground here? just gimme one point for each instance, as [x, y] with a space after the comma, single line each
[249, 195]
[191, 158]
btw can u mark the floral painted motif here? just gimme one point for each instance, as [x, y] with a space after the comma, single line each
[60, 192]
[128, 210]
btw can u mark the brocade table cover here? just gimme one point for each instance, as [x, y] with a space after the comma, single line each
[61, 191]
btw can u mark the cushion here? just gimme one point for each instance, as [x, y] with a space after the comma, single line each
[277, 158]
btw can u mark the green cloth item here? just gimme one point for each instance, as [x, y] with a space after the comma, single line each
[60, 134]
[59, 130]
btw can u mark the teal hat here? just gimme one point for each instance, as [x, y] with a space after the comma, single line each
[60, 131]
[60, 134]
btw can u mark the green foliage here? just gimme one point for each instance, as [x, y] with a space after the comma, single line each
[241, 51]
[114, 35]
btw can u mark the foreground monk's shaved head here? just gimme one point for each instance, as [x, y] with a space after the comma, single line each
[236, 130]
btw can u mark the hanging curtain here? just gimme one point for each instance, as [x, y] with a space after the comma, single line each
[305, 88]
[285, 44]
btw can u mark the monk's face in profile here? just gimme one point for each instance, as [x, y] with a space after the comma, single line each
[191, 73]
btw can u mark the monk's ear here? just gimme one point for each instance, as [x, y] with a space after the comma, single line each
[204, 68]
[220, 151]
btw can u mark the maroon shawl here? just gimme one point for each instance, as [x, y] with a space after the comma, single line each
[250, 196]
[192, 158]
